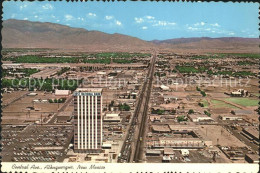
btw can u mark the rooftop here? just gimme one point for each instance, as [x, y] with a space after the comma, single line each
[95, 90]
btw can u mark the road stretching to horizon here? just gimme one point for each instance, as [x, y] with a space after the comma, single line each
[132, 151]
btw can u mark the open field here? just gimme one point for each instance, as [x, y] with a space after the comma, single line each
[220, 136]
[221, 104]
[243, 101]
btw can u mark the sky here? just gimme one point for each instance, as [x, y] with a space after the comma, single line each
[145, 20]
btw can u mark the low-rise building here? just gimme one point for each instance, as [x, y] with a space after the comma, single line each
[241, 112]
[62, 92]
[191, 143]
[153, 152]
[112, 117]
[199, 117]
[161, 129]
[177, 128]
[231, 117]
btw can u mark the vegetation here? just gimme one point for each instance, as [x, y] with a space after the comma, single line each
[27, 72]
[63, 70]
[201, 104]
[159, 74]
[103, 58]
[245, 63]
[191, 111]
[221, 104]
[61, 100]
[97, 60]
[241, 55]
[39, 59]
[243, 101]
[119, 55]
[230, 73]
[157, 111]
[41, 84]
[187, 69]
[203, 93]
[191, 69]
[124, 107]
[181, 118]
[204, 103]
[207, 113]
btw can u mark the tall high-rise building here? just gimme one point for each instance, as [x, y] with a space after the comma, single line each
[88, 120]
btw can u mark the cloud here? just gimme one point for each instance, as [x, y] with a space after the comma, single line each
[36, 16]
[150, 17]
[144, 27]
[231, 33]
[25, 18]
[81, 18]
[139, 20]
[109, 17]
[215, 24]
[47, 7]
[193, 28]
[118, 23]
[23, 6]
[163, 23]
[53, 16]
[199, 24]
[57, 20]
[150, 20]
[92, 14]
[68, 17]
[13, 16]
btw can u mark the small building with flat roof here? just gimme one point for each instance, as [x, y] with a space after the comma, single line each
[199, 117]
[241, 112]
[153, 152]
[231, 117]
[161, 128]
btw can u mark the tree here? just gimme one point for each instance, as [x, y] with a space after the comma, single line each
[201, 104]
[191, 111]
[207, 113]
[181, 118]
[203, 93]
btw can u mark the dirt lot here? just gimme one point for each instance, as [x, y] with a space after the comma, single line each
[217, 132]
[18, 111]
[9, 97]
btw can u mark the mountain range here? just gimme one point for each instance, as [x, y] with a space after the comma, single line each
[27, 34]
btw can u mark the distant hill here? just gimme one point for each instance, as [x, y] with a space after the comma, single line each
[27, 34]
[207, 44]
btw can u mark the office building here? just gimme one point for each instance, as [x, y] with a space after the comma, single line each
[88, 120]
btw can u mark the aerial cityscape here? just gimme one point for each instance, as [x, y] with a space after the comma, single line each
[72, 92]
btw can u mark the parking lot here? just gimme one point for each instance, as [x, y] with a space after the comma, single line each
[35, 143]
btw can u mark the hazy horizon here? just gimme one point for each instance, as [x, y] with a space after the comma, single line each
[147, 21]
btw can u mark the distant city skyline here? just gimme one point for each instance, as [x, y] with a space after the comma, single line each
[145, 20]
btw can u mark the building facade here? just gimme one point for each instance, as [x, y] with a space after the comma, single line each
[88, 120]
